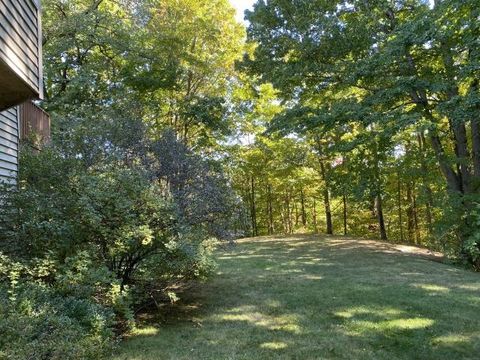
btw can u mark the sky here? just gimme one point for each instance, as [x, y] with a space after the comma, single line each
[241, 6]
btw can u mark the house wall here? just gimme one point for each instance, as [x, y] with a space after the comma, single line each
[20, 74]
[9, 139]
[20, 42]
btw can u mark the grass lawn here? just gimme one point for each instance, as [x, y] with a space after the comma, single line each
[317, 297]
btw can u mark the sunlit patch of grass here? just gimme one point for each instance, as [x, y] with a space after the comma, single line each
[242, 309]
[453, 339]
[282, 322]
[362, 310]
[286, 271]
[396, 324]
[472, 287]
[274, 345]
[273, 303]
[145, 331]
[311, 277]
[314, 297]
[432, 287]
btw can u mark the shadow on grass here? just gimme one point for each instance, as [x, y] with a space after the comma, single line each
[313, 297]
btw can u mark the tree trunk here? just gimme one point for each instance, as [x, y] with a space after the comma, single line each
[289, 213]
[315, 229]
[420, 97]
[457, 182]
[426, 187]
[304, 214]
[453, 181]
[297, 215]
[410, 215]
[461, 151]
[399, 199]
[284, 220]
[380, 217]
[475, 136]
[418, 239]
[326, 200]
[378, 194]
[457, 126]
[271, 229]
[328, 212]
[253, 210]
[344, 214]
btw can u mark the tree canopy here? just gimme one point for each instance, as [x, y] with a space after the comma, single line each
[390, 90]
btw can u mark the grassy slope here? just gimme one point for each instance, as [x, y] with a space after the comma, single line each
[306, 297]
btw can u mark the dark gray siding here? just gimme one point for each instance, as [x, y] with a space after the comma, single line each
[9, 145]
[20, 44]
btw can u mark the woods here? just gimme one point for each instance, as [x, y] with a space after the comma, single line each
[383, 96]
[177, 130]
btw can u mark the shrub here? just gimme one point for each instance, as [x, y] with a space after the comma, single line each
[39, 324]
[83, 247]
[40, 321]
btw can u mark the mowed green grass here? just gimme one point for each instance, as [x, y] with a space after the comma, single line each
[317, 297]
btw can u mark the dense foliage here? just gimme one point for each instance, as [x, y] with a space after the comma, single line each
[92, 247]
[383, 99]
[123, 209]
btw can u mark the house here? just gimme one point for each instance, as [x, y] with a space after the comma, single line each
[20, 74]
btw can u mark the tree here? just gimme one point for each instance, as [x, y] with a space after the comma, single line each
[382, 66]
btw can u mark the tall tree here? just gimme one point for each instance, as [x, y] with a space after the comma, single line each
[384, 66]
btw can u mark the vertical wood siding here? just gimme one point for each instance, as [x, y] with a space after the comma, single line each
[34, 124]
[20, 42]
[9, 134]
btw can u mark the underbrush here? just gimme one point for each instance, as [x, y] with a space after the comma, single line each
[83, 249]
[41, 323]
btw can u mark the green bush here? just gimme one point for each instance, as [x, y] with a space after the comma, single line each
[41, 321]
[82, 249]
[40, 324]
